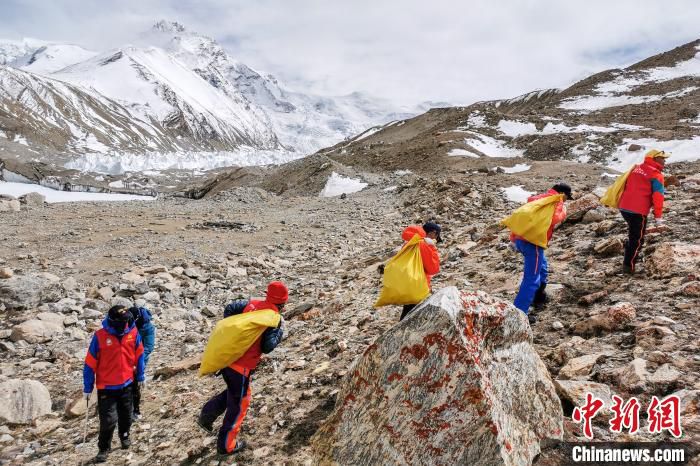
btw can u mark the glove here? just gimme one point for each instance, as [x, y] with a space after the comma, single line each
[659, 221]
[429, 241]
[86, 396]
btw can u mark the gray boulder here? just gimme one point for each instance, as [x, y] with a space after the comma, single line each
[36, 331]
[23, 401]
[29, 291]
[33, 200]
[457, 382]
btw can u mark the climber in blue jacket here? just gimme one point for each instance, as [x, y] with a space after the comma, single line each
[141, 317]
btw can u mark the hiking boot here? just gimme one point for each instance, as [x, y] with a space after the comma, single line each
[136, 417]
[126, 443]
[532, 318]
[208, 426]
[240, 445]
[627, 269]
[540, 301]
[101, 456]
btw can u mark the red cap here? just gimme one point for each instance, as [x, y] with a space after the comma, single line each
[277, 293]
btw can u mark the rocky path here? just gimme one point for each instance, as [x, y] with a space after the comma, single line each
[186, 259]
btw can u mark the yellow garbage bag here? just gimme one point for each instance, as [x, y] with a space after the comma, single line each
[532, 220]
[612, 196]
[404, 279]
[232, 337]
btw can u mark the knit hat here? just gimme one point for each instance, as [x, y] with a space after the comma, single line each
[563, 188]
[277, 293]
[430, 227]
[119, 313]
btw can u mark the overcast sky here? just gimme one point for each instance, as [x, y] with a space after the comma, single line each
[410, 51]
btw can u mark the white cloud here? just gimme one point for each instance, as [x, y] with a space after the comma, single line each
[407, 50]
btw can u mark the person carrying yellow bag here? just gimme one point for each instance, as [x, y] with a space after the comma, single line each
[408, 274]
[261, 333]
[531, 228]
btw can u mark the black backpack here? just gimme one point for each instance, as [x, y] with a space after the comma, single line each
[236, 307]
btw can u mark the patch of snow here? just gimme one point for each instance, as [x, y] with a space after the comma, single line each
[52, 195]
[337, 185]
[476, 119]
[462, 153]
[516, 128]
[599, 102]
[116, 184]
[119, 164]
[608, 175]
[681, 150]
[491, 147]
[390, 188]
[518, 168]
[403, 172]
[367, 133]
[516, 194]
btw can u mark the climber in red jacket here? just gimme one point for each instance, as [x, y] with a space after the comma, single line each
[430, 232]
[644, 189]
[234, 401]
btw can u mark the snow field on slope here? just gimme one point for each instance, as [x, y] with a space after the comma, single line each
[491, 147]
[516, 194]
[683, 150]
[199, 161]
[53, 196]
[514, 128]
[338, 184]
[614, 93]
[517, 168]
[461, 153]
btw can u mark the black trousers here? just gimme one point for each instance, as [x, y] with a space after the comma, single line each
[115, 408]
[136, 396]
[637, 224]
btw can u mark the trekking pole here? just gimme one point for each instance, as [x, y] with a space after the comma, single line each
[87, 416]
[85, 429]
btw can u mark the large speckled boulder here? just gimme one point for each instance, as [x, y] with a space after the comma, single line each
[673, 259]
[457, 382]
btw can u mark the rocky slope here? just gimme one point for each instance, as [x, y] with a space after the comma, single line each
[186, 259]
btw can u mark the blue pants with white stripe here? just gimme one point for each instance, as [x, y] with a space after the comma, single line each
[534, 273]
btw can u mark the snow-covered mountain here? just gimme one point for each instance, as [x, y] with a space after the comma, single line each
[171, 91]
[303, 122]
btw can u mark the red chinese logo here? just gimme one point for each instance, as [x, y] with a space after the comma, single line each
[662, 415]
[587, 413]
[626, 415]
[665, 415]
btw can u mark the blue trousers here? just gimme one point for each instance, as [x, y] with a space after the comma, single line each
[534, 273]
[233, 404]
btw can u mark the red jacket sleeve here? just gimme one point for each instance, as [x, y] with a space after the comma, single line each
[430, 257]
[559, 214]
